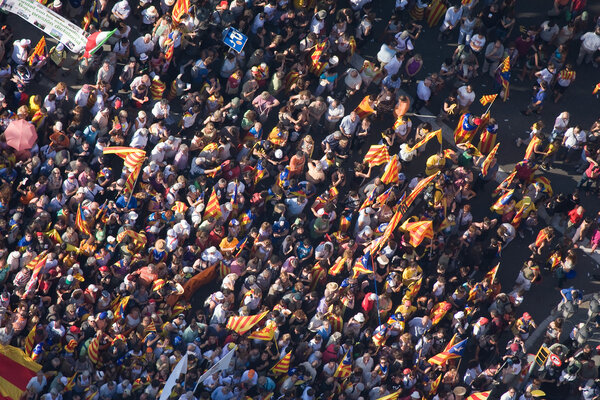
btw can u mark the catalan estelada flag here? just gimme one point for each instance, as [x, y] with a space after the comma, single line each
[259, 172]
[282, 365]
[213, 208]
[344, 368]
[242, 325]
[455, 351]
[16, 370]
[505, 183]
[487, 99]
[435, 385]
[377, 155]
[502, 201]
[81, 222]
[181, 7]
[267, 333]
[390, 174]
[316, 65]
[363, 265]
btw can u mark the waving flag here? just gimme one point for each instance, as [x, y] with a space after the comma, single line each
[81, 222]
[91, 16]
[427, 138]
[506, 64]
[181, 7]
[316, 65]
[364, 265]
[377, 155]
[242, 325]
[505, 183]
[213, 208]
[70, 383]
[338, 266]
[418, 231]
[439, 311]
[487, 99]
[416, 191]
[455, 351]
[30, 340]
[485, 166]
[95, 41]
[131, 180]
[382, 198]
[502, 201]
[344, 369]
[38, 50]
[491, 275]
[380, 335]
[132, 157]
[413, 289]
[435, 385]
[283, 365]
[267, 333]
[390, 174]
[16, 370]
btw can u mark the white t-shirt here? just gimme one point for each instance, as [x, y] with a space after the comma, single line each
[465, 98]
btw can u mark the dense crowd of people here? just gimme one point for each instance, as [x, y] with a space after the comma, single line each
[177, 186]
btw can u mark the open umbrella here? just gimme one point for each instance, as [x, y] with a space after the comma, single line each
[20, 135]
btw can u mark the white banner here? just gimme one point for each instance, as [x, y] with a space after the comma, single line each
[49, 22]
[180, 368]
[221, 365]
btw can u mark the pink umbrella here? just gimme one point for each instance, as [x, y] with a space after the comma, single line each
[20, 135]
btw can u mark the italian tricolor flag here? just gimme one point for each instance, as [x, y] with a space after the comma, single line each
[95, 41]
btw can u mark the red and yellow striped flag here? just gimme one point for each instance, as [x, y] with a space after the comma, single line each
[213, 208]
[596, 88]
[93, 349]
[418, 231]
[491, 275]
[131, 179]
[132, 157]
[338, 266]
[390, 174]
[417, 190]
[344, 368]
[317, 65]
[479, 395]
[378, 154]
[487, 99]
[413, 289]
[427, 138]
[38, 50]
[541, 237]
[16, 370]
[485, 166]
[181, 7]
[70, 383]
[179, 207]
[30, 340]
[505, 183]
[435, 385]
[392, 396]
[267, 333]
[506, 64]
[242, 325]
[439, 311]
[282, 365]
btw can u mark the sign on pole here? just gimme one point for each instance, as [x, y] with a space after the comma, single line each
[235, 39]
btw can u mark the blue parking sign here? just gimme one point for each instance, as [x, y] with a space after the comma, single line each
[234, 39]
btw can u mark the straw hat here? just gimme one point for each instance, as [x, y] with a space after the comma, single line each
[160, 245]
